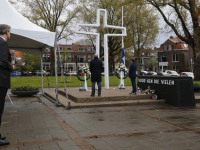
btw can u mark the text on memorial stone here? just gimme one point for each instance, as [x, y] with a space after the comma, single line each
[156, 81]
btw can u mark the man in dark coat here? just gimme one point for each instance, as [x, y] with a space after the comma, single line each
[96, 68]
[5, 68]
[132, 75]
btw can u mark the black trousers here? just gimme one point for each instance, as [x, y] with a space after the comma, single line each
[3, 92]
[133, 85]
[99, 88]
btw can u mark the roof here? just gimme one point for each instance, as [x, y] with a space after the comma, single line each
[25, 35]
[176, 40]
[179, 44]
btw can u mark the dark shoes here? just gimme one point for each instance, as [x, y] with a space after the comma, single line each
[2, 142]
[132, 93]
[3, 138]
[99, 95]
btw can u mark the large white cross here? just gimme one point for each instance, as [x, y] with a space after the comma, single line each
[106, 68]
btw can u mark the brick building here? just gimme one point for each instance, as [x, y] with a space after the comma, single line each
[175, 54]
[16, 57]
[146, 55]
[77, 55]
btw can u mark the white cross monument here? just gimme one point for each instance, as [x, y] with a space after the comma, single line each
[106, 68]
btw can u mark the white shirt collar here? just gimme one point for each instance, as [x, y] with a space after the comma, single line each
[2, 38]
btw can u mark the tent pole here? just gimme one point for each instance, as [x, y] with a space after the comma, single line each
[42, 73]
[56, 74]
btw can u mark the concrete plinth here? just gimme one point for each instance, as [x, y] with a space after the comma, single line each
[111, 97]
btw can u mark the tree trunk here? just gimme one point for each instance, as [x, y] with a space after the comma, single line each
[196, 54]
[138, 63]
[196, 62]
[110, 64]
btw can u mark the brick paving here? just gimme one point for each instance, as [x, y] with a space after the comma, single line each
[31, 125]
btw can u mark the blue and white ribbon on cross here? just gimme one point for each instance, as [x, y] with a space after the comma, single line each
[123, 53]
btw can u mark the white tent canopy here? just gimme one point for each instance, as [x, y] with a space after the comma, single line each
[25, 35]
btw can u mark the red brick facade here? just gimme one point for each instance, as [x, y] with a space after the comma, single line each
[174, 54]
[79, 54]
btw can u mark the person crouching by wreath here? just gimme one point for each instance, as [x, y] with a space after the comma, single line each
[132, 75]
[96, 68]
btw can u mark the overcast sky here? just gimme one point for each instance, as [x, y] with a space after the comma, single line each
[160, 39]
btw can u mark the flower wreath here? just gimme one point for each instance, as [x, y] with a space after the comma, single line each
[121, 67]
[84, 69]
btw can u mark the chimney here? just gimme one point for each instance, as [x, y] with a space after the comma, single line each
[171, 37]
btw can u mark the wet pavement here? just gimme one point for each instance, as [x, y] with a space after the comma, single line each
[31, 125]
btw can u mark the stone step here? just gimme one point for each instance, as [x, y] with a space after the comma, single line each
[64, 101]
[84, 96]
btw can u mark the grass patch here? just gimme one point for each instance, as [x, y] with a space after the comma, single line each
[197, 82]
[36, 81]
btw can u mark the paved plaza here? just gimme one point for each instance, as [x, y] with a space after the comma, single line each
[31, 125]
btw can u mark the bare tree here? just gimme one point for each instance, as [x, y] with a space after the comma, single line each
[182, 16]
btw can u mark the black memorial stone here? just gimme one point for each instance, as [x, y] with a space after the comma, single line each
[176, 91]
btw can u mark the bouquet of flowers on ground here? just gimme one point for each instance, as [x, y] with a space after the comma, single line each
[85, 69]
[120, 67]
[152, 92]
[139, 89]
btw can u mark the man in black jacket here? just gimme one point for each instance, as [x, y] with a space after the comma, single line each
[5, 68]
[96, 68]
[132, 75]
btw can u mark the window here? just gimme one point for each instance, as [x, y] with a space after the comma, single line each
[81, 49]
[142, 68]
[172, 47]
[84, 58]
[163, 58]
[93, 49]
[60, 48]
[142, 61]
[72, 57]
[175, 68]
[168, 47]
[80, 58]
[88, 49]
[89, 57]
[165, 47]
[69, 48]
[175, 58]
